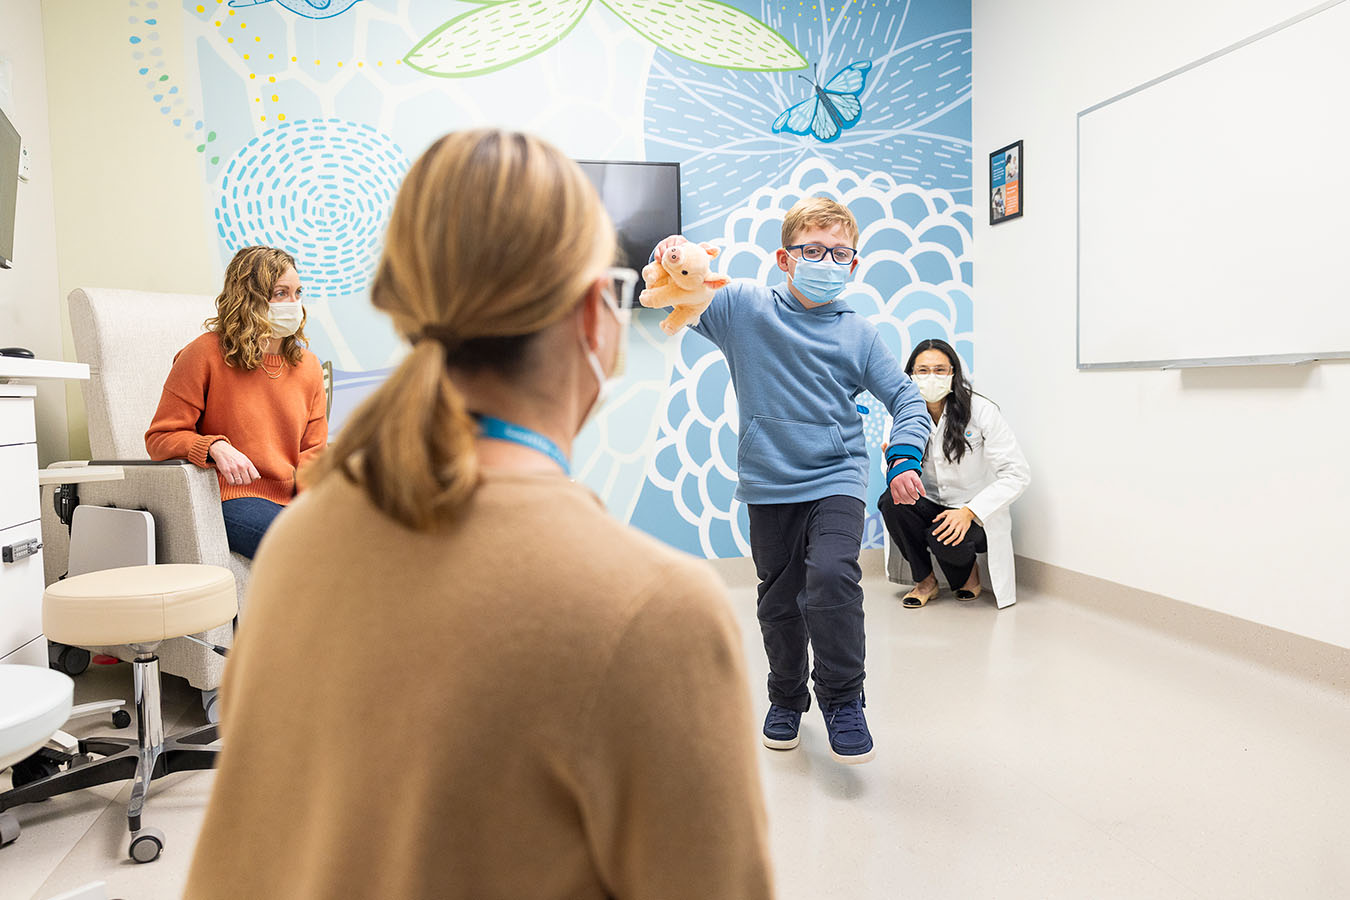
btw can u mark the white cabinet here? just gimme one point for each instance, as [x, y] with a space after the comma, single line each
[20, 510]
[20, 580]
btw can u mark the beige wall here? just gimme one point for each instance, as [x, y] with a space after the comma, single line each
[123, 217]
[29, 313]
[1223, 488]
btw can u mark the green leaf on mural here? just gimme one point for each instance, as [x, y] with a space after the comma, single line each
[710, 33]
[495, 36]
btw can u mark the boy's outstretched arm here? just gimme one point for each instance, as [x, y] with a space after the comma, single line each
[888, 382]
[713, 320]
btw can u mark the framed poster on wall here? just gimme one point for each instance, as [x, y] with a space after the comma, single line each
[1006, 170]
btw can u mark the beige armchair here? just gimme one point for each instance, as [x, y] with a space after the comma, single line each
[129, 339]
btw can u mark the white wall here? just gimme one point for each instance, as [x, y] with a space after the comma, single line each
[30, 314]
[1227, 489]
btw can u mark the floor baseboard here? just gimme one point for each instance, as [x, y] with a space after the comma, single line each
[1282, 651]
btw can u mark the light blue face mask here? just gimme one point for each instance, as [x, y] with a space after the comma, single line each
[821, 282]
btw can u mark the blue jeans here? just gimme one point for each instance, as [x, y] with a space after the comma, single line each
[246, 521]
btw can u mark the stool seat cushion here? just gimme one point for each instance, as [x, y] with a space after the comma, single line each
[34, 704]
[138, 604]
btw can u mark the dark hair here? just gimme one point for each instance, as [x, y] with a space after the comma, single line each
[957, 410]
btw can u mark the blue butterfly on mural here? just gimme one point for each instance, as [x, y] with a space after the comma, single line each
[310, 9]
[834, 107]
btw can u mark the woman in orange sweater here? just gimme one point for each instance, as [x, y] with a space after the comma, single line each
[247, 396]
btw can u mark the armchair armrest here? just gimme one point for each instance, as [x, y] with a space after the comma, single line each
[184, 499]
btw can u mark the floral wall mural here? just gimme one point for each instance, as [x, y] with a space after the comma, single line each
[304, 114]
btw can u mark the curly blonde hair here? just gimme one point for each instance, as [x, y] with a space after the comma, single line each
[241, 308]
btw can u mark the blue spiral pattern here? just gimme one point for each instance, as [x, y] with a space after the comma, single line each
[320, 189]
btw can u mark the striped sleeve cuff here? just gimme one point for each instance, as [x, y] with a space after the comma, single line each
[197, 453]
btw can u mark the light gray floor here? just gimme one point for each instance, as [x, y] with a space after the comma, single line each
[1044, 751]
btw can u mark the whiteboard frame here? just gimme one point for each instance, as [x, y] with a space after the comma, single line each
[1285, 359]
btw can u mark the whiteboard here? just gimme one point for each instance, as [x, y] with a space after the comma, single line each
[1214, 207]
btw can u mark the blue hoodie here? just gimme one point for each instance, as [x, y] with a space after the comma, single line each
[797, 373]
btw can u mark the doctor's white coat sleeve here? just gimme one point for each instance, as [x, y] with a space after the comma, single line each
[1005, 459]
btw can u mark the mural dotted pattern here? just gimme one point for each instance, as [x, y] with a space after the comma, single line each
[164, 90]
[320, 188]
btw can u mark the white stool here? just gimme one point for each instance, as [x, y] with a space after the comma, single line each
[139, 606]
[34, 704]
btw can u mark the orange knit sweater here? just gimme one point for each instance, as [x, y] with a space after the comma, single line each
[278, 423]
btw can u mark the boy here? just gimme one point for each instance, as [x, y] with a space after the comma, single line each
[799, 357]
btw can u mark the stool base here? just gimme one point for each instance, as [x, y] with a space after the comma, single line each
[149, 757]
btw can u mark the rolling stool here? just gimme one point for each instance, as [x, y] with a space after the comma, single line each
[34, 704]
[139, 606]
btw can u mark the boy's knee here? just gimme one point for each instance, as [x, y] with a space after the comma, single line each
[835, 581]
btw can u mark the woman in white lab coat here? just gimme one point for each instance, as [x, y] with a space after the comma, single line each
[972, 472]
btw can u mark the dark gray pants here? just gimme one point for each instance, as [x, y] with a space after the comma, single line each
[806, 555]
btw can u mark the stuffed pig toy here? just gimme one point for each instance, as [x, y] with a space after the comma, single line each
[681, 278]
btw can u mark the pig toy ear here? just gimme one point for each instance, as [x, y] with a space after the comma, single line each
[711, 250]
[716, 282]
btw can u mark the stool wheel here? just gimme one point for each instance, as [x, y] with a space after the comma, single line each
[146, 845]
[68, 660]
[34, 768]
[121, 718]
[9, 828]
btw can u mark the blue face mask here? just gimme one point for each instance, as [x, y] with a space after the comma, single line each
[821, 282]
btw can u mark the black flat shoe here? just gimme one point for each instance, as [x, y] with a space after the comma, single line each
[914, 600]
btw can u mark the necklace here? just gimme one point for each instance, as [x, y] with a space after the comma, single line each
[269, 372]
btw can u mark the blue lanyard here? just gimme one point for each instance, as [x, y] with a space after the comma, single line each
[500, 430]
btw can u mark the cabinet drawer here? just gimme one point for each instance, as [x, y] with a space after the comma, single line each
[19, 501]
[17, 425]
[20, 591]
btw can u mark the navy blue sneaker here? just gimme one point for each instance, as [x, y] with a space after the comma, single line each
[850, 741]
[780, 728]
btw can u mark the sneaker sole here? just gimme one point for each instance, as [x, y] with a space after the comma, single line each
[856, 759]
[774, 744]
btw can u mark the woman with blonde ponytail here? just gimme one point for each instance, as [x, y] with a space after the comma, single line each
[509, 694]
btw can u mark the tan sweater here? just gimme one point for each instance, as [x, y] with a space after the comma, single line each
[278, 423]
[537, 703]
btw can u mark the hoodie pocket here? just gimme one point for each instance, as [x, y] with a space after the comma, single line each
[782, 451]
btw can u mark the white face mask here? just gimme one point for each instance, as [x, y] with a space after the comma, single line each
[933, 387]
[285, 318]
[609, 382]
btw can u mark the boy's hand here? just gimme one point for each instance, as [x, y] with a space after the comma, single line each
[906, 488]
[673, 241]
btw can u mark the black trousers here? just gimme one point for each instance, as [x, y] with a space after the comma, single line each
[911, 527]
[806, 555]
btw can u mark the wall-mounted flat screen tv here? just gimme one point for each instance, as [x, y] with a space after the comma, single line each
[643, 199]
[9, 187]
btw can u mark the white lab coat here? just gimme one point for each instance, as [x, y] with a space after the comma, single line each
[990, 476]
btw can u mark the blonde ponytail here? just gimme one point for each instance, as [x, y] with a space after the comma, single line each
[411, 444]
[494, 235]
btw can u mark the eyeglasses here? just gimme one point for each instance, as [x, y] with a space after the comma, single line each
[841, 256]
[934, 370]
[622, 283]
